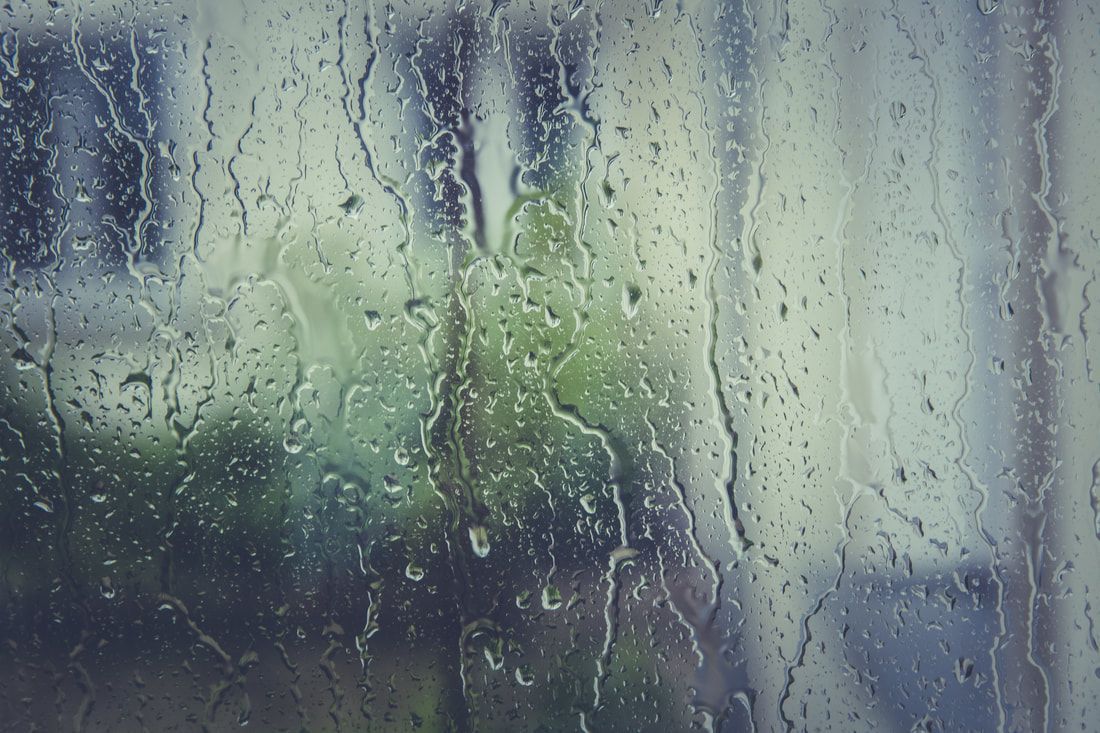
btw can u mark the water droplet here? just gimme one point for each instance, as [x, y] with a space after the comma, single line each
[106, 588]
[632, 296]
[479, 540]
[352, 206]
[551, 598]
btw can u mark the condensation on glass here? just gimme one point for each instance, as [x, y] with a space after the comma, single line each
[500, 366]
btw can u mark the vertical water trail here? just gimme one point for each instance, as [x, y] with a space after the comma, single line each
[578, 105]
[845, 408]
[728, 478]
[977, 486]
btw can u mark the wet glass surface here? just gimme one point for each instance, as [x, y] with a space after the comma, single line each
[526, 366]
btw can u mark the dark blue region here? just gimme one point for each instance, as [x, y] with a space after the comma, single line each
[79, 146]
[917, 646]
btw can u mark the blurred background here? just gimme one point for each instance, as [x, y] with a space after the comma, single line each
[587, 365]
